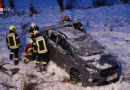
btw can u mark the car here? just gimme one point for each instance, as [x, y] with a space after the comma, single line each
[82, 57]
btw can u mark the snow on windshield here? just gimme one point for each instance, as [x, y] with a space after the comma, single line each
[82, 43]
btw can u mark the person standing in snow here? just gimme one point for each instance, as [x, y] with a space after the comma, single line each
[40, 48]
[32, 29]
[13, 43]
[66, 19]
[77, 25]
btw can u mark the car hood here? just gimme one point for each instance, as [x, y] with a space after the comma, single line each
[99, 62]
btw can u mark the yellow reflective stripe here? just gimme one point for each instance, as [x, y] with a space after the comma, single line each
[14, 40]
[27, 60]
[81, 27]
[12, 35]
[42, 51]
[7, 43]
[8, 40]
[17, 37]
[29, 49]
[16, 59]
[11, 53]
[35, 51]
[37, 62]
[34, 43]
[44, 63]
[13, 47]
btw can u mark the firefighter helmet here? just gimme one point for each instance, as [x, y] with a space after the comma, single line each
[76, 21]
[12, 28]
[33, 25]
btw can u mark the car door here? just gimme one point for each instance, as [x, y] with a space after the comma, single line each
[60, 50]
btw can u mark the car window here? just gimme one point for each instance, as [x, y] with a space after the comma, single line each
[53, 37]
[61, 41]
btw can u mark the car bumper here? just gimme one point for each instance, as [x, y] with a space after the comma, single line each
[98, 79]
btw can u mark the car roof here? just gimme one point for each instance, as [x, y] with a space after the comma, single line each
[83, 44]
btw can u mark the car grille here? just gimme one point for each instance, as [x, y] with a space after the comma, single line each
[110, 71]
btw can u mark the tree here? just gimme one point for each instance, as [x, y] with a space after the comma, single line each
[98, 3]
[125, 1]
[11, 4]
[69, 4]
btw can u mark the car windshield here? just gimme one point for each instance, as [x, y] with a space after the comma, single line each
[85, 45]
[80, 43]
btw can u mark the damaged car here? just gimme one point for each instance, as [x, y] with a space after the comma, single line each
[82, 57]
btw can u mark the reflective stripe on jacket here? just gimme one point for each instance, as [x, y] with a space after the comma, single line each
[12, 40]
[41, 45]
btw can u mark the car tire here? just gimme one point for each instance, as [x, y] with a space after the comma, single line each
[75, 75]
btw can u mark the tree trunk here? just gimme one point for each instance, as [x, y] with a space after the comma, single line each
[98, 3]
[60, 2]
[70, 4]
[11, 4]
[125, 1]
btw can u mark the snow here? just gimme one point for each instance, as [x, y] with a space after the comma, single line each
[100, 21]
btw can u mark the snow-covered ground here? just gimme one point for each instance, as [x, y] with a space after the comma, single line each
[109, 25]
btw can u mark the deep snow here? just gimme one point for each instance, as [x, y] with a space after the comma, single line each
[108, 25]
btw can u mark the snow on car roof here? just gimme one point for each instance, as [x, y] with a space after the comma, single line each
[83, 43]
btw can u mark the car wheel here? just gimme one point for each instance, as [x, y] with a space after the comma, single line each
[75, 75]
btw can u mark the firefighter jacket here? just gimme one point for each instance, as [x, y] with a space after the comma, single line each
[78, 26]
[64, 21]
[13, 40]
[29, 50]
[31, 30]
[40, 45]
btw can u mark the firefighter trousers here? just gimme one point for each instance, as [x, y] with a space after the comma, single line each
[44, 58]
[14, 52]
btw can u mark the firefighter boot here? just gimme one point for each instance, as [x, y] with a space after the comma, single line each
[43, 66]
[16, 62]
[11, 56]
[37, 64]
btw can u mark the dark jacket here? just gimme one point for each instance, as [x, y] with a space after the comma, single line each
[64, 21]
[78, 26]
[13, 40]
[31, 31]
[39, 45]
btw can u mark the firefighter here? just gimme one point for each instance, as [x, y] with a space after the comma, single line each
[29, 51]
[33, 28]
[66, 19]
[77, 25]
[13, 43]
[40, 48]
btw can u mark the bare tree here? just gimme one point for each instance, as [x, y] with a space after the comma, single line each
[125, 1]
[11, 4]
